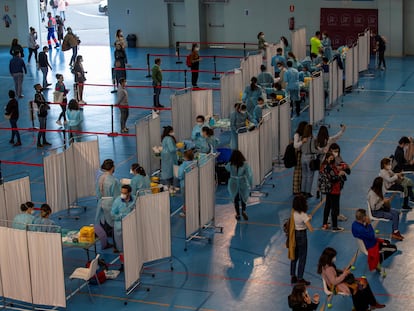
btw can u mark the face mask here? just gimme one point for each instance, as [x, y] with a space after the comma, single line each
[261, 106]
[334, 259]
[172, 134]
[199, 123]
[131, 172]
[262, 36]
[335, 154]
[123, 196]
[197, 49]
[243, 112]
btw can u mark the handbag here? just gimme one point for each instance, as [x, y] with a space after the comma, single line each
[7, 116]
[315, 164]
[58, 97]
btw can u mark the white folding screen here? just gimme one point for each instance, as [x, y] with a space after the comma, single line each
[12, 194]
[153, 216]
[280, 128]
[154, 129]
[46, 268]
[231, 86]
[285, 126]
[148, 131]
[249, 145]
[355, 68]
[202, 103]
[316, 98]
[14, 265]
[133, 255]
[56, 181]
[349, 68]
[299, 43]
[270, 52]
[208, 193]
[250, 67]
[71, 163]
[363, 51]
[265, 134]
[192, 197]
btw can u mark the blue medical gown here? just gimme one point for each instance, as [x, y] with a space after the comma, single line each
[181, 173]
[139, 182]
[250, 97]
[202, 145]
[21, 220]
[292, 80]
[196, 132]
[237, 121]
[240, 182]
[168, 158]
[265, 79]
[120, 208]
[257, 114]
[107, 188]
[213, 142]
[44, 225]
[278, 59]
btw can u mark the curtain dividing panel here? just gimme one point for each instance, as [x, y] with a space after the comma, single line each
[154, 129]
[265, 134]
[250, 67]
[349, 65]
[56, 181]
[231, 86]
[192, 197]
[181, 115]
[46, 268]
[208, 193]
[70, 162]
[14, 265]
[355, 68]
[133, 246]
[202, 103]
[144, 147]
[86, 158]
[13, 194]
[299, 43]
[317, 98]
[249, 145]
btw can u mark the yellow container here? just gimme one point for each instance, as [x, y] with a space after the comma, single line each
[180, 145]
[306, 80]
[155, 179]
[154, 187]
[279, 97]
[87, 234]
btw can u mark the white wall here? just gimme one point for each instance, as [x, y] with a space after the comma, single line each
[408, 24]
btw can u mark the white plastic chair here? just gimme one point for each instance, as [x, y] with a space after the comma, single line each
[86, 274]
[369, 211]
[329, 294]
[363, 250]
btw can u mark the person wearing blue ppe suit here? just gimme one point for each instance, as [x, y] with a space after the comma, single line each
[258, 111]
[43, 223]
[168, 156]
[122, 206]
[74, 120]
[212, 141]
[291, 78]
[140, 180]
[264, 78]
[278, 58]
[238, 120]
[326, 45]
[196, 132]
[251, 94]
[240, 182]
[25, 217]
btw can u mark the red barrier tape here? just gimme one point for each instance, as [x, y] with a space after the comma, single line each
[201, 56]
[149, 86]
[21, 163]
[173, 70]
[116, 106]
[223, 43]
[61, 130]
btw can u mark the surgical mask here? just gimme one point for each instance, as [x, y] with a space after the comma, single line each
[199, 123]
[172, 134]
[197, 49]
[123, 196]
[131, 172]
[335, 154]
[262, 36]
[334, 259]
[261, 106]
[243, 111]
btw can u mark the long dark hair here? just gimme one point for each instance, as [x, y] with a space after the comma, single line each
[285, 41]
[322, 137]
[237, 158]
[301, 128]
[253, 84]
[300, 204]
[166, 132]
[377, 187]
[296, 297]
[326, 258]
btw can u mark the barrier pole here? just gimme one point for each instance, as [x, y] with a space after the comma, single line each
[114, 81]
[215, 77]
[177, 52]
[244, 49]
[112, 134]
[148, 67]
[185, 78]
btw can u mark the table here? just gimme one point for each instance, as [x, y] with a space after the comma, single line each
[67, 241]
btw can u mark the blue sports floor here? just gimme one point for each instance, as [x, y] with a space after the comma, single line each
[246, 267]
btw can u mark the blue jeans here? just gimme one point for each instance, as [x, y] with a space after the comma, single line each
[13, 124]
[307, 174]
[157, 92]
[393, 215]
[74, 54]
[42, 126]
[44, 72]
[301, 251]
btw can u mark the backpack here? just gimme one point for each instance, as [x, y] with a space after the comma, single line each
[289, 158]
[324, 184]
[188, 60]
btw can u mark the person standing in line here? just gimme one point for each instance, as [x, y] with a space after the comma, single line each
[80, 78]
[72, 41]
[12, 110]
[380, 46]
[195, 64]
[240, 182]
[298, 247]
[43, 107]
[17, 70]
[61, 88]
[74, 119]
[156, 82]
[122, 102]
[16, 47]
[120, 39]
[119, 71]
[298, 141]
[60, 25]
[32, 44]
[44, 66]
[51, 27]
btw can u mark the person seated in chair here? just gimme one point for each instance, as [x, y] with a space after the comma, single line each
[344, 282]
[401, 164]
[378, 249]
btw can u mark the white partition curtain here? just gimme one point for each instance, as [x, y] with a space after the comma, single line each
[265, 134]
[56, 181]
[316, 99]
[299, 43]
[154, 224]
[70, 163]
[192, 197]
[14, 265]
[340, 82]
[148, 131]
[355, 68]
[46, 268]
[333, 83]
[86, 157]
[285, 126]
[363, 50]
[231, 86]
[249, 145]
[208, 194]
[250, 67]
[270, 52]
[281, 124]
[349, 68]
[133, 255]
[12, 194]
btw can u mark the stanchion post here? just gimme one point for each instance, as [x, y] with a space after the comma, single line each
[177, 52]
[215, 69]
[148, 67]
[114, 80]
[185, 78]
[244, 49]
[112, 134]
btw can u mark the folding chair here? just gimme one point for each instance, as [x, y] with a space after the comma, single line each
[363, 250]
[369, 211]
[86, 274]
[330, 294]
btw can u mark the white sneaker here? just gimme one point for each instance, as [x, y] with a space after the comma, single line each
[58, 122]
[337, 229]
[182, 214]
[342, 217]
